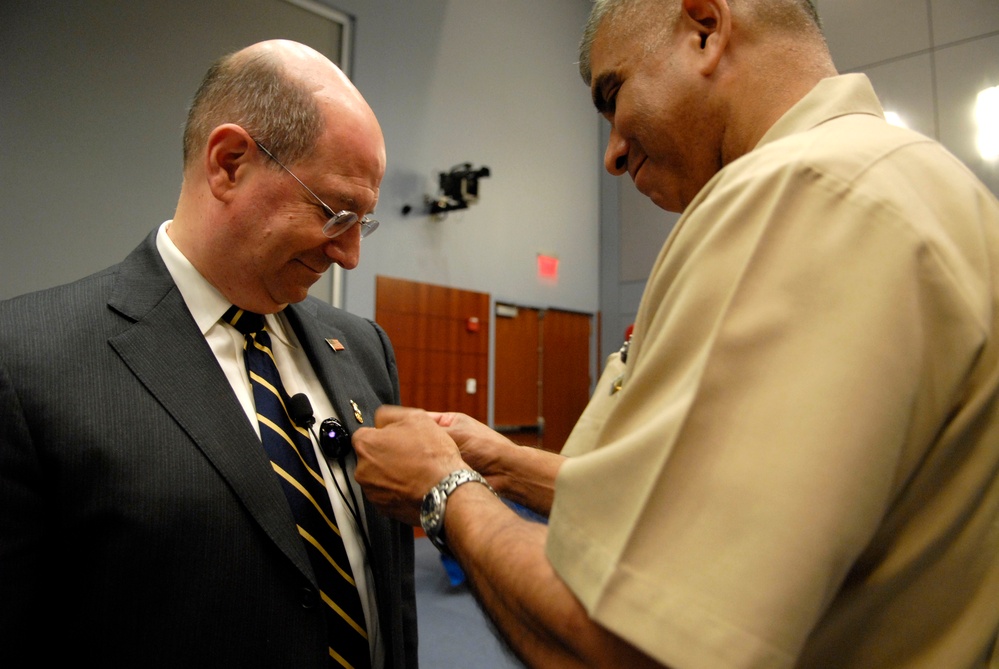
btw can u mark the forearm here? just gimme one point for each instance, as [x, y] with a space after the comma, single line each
[502, 554]
[526, 475]
[542, 621]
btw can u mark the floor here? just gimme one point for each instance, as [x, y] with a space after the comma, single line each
[454, 633]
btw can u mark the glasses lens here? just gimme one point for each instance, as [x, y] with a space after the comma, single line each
[368, 225]
[339, 223]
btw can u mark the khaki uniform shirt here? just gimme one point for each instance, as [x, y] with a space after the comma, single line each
[802, 465]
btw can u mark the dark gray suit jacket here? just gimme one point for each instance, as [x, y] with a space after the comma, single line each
[140, 522]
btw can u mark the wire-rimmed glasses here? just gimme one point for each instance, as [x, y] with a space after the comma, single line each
[338, 222]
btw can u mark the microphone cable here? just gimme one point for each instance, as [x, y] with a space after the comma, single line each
[334, 436]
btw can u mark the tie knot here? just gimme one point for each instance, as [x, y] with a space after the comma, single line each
[246, 322]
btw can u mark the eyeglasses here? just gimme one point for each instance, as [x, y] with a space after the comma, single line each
[338, 222]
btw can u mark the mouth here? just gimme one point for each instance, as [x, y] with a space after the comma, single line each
[633, 169]
[318, 269]
[635, 172]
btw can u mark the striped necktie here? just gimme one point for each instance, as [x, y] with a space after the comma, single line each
[294, 461]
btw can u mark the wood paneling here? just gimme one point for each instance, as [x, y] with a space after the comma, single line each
[441, 340]
[542, 374]
[516, 382]
[517, 378]
[565, 373]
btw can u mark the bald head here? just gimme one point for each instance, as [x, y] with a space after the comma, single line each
[278, 140]
[281, 92]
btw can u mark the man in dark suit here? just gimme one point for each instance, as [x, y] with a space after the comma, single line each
[141, 522]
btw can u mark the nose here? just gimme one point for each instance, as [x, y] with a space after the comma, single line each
[345, 249]
[616, 155]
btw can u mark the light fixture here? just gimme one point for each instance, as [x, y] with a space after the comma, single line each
[987, 115]
[894, 119]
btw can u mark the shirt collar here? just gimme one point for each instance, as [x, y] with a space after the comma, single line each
[203, 300]
[830, 98]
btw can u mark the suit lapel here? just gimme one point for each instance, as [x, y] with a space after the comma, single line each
[167, 352]
[339, 371]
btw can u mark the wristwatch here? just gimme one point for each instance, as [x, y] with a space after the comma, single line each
[435, 501]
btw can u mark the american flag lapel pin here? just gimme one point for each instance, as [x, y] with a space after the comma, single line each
[335, 344]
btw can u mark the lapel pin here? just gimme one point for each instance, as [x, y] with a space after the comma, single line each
[335, 344]
[357, 411]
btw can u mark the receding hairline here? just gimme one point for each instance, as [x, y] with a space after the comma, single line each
[255, 88]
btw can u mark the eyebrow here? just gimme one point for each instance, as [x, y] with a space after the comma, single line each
[343, 199]
[348, 201]
[603, 82]
[352, 204]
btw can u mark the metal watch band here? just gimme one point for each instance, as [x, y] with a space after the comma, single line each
[435, 503]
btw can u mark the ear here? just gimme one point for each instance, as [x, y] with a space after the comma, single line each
[227, 157]
[711, 21]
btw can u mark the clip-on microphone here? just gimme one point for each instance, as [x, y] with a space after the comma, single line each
[333, 440]
[300, 410]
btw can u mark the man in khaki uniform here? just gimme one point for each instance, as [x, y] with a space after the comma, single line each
[797, 462]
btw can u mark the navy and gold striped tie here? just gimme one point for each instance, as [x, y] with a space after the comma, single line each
[293, 459]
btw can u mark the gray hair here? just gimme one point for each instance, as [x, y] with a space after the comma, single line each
[256, 93]
[778, 13]
[601, 9]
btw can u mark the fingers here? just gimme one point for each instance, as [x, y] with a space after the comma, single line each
[446, 419]
[401, 458]
[389, 413]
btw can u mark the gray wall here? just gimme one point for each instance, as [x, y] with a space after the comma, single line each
[92, 101]
[927, 60]
[495, 84]
[94, 95]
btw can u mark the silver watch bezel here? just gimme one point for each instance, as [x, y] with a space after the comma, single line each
[435, 504]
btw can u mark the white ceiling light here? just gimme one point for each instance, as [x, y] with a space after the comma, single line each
[894, 119]
[987, 115]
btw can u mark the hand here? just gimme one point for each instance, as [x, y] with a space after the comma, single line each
[481, 446]
[399, 460]
[523, 474]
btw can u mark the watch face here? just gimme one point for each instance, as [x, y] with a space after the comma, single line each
[430, 510]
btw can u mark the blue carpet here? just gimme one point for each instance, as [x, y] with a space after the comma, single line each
[454, 633]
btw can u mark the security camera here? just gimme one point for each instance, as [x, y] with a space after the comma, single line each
[461, 184]
[458, 188]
